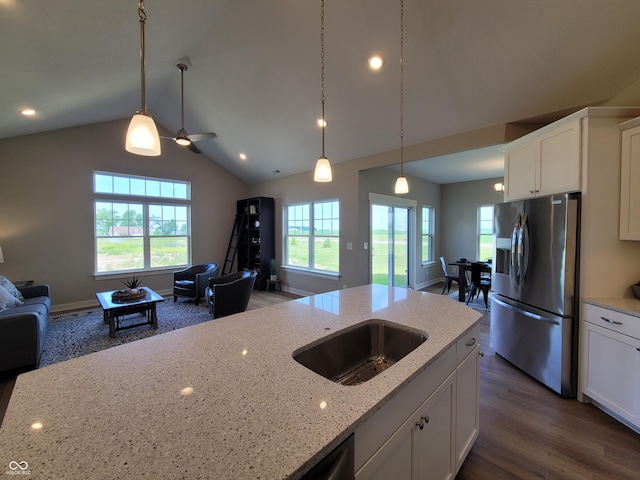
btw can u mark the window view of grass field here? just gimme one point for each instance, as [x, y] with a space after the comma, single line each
[389, 245]
[142, 234]
[317, 248]
[485, 232]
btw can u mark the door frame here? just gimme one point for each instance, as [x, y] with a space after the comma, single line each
[411, 237]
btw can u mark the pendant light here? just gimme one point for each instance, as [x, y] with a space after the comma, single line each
[142, 135]
[402, 186]
[322, 172]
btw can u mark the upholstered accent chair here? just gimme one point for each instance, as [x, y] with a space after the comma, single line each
[231, 293]
[192, 281]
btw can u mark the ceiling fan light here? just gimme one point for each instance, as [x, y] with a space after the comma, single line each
[182, 138]
[402, 186]
[322, 173]
[142, 136]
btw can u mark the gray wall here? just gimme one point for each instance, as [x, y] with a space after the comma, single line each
[460, 203]
[46, 205]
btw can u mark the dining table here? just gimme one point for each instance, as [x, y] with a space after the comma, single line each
[463, 266]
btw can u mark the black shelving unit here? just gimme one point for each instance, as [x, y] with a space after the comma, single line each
[256, 243]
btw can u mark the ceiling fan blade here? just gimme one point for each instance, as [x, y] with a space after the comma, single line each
[196, 137]
[193, 148]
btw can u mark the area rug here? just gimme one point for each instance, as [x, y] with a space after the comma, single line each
[78, 333]
[477, 302]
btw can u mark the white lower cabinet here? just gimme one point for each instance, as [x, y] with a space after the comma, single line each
[610, 356]
[428, 440]
[467, 405]
[422, 446]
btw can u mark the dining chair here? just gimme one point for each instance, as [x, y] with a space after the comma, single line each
[479, 283]
[450, 275]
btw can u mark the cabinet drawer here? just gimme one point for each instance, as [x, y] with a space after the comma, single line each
[467, 343]
[612, 320]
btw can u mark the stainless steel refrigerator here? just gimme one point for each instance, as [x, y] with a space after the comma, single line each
[534, 305]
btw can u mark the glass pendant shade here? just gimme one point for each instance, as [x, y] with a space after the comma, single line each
[142, 136]
[322, 173]
[402, 186]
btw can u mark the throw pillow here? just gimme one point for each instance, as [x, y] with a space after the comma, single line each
[11, 288]
[7, 300]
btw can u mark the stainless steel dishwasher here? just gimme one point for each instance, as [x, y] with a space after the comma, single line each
[338, 465]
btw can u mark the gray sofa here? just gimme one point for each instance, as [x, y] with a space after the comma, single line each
[22, 330]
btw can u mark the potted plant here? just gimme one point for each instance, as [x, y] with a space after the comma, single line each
[272, 265]
[132, 283]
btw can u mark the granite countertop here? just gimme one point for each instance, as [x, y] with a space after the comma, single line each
[630, 306]
[222, 399]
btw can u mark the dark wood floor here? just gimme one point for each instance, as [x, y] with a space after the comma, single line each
[526, 430]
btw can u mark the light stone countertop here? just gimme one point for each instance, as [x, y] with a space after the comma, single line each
[223, 399]
[630, 306]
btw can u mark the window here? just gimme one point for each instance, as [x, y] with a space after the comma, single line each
[485, 232]
[313, 236]
[141, 223]
[428, 225]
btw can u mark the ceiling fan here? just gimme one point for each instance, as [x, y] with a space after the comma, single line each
[182, 137]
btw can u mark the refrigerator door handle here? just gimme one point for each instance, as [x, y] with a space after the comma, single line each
[514, 252]
[524, 247]
[535, 316]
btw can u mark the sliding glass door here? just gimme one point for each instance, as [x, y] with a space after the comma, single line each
[389, 245]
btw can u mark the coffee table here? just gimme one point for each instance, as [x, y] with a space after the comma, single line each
[114, 310]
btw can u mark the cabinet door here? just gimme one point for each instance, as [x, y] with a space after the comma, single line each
[432, 445]
[629, 185]
[520, 171]
[467, 405]
[560, 160]
[393, 459]
[611, 375]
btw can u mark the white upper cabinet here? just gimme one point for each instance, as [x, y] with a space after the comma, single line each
[544, 164]
[630, 181]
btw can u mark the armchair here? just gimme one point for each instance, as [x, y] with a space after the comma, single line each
[192, 281]
[230, 294]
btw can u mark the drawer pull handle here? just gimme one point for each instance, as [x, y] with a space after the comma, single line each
[471, 342]
[613, 322]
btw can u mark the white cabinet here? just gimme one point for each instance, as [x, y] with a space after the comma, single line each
[545, 163]
[630, 181]
[422, 446]
[467, 404]
[431, 439]
[610, 355]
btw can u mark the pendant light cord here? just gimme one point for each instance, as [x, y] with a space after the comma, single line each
[324, 122]
[143, 20]
[401, 87]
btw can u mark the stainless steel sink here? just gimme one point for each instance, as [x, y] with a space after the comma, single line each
[359, 353]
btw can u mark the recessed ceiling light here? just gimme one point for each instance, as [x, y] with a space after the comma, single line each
[243, 156]
[376, 62]
[28, 112]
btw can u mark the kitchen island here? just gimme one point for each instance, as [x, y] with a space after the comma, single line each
[222, 399]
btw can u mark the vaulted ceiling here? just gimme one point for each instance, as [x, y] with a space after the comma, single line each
[254, 78]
